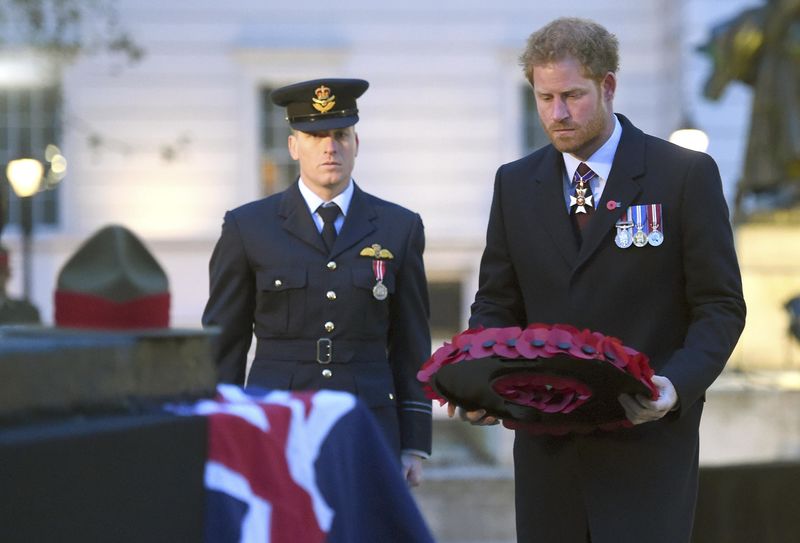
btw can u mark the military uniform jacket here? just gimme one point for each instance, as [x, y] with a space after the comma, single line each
[316, 320]
[680, 303]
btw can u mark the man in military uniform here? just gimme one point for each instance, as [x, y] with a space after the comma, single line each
[329, 278]
[13, 311]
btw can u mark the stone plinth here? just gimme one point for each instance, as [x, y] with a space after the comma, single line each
[45, 371]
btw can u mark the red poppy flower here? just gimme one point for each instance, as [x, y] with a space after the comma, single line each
[547, 393]
[614, 352]
[559, 340]
[506, 341]
[446, 354]
[639, 367]
[483, 343]
[449, 353]
[532, 341]
[464, 340]
[586, 344]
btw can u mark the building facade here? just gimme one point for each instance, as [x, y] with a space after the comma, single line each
[166, 145]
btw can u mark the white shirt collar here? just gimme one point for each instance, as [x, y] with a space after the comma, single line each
[600, 162]
[313, 201]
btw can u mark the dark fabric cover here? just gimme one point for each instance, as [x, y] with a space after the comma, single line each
[129, 478]
[361, 483]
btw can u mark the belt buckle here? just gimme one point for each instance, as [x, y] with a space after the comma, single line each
[324, 350]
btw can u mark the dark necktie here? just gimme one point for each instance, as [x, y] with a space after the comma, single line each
[328, 214]
[581, 202]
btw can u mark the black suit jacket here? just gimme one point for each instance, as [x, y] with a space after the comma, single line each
[680, 303]
[271, 275]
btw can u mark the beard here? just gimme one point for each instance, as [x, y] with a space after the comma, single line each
[584, 139]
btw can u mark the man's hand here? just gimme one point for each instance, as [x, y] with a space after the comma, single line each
[412, 468]
[478, 417]
[640, 409]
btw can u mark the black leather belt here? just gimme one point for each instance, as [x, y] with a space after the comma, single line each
[322, 351]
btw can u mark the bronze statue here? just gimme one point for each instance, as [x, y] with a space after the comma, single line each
[761, 48]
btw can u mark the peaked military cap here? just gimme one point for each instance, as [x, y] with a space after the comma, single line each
[112, 281]
[320, 104]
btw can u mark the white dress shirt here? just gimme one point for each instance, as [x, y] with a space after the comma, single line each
[600, 163]
[313, 202]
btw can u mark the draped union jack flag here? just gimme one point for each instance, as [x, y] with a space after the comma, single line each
[287, 467]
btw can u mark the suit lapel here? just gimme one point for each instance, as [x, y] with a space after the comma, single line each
[357, 224]
[297, 218]
[549, 206]
[622, 187]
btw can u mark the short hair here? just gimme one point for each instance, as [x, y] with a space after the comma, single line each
[589, 43]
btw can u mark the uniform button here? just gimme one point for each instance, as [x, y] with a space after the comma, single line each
[331, 295]
[329, 326]
[278, 283]
[331, 265]
[391, 396]
[327, 374]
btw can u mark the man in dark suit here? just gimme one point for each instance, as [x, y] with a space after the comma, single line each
[622, 233]
[329, 278]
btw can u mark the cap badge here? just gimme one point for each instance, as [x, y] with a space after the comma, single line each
[324, 102]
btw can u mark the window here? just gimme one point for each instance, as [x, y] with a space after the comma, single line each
[277, 169]
[533, 135]
[30, 120]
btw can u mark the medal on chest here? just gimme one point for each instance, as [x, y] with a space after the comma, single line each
[640, 236]
[655, 237]
[641, 225]
[624, 238]
[379, 257]
[379, 291]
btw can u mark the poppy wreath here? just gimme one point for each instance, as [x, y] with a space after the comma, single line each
[552, 379]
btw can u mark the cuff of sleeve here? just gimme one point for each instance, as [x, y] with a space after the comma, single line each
[421, 454]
